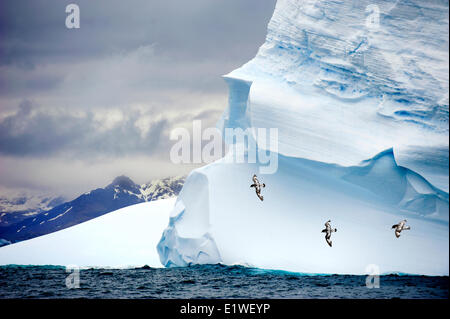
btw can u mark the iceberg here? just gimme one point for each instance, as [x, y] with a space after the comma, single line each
[124, 238]
[358, 92]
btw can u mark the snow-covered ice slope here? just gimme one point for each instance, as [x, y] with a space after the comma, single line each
[362, 115]
[123, 238]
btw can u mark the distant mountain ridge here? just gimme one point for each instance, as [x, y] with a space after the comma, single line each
[19, 206]
[120, 193]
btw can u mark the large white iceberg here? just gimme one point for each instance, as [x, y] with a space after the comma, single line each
[361, 109]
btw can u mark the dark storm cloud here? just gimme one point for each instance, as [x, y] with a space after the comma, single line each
[194, 41]
[34, 32]
[38, 134]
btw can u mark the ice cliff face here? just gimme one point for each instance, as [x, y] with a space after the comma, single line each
[355, 88]
[358, 91]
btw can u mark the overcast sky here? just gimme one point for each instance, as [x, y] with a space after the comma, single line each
[81, 106]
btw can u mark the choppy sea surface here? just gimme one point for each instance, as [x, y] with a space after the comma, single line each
[207, 281]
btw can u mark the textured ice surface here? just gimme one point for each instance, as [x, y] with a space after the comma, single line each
[349, 91]
[362, 118]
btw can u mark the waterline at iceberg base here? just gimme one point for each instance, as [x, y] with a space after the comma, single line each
[218, 219]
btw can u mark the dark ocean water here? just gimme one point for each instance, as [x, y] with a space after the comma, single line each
[208, 281]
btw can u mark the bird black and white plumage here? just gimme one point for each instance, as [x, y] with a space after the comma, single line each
[258, 186]
[400, 227]
[328, 230]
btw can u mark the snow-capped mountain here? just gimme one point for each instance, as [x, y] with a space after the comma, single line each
[162, 188]
[120, 193]
[358, 93]
[15, 207]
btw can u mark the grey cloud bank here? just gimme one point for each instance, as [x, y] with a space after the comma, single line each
[114, 88]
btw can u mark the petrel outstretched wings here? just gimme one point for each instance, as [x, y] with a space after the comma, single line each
[328, 230]
[398, 228]
[257, 185]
